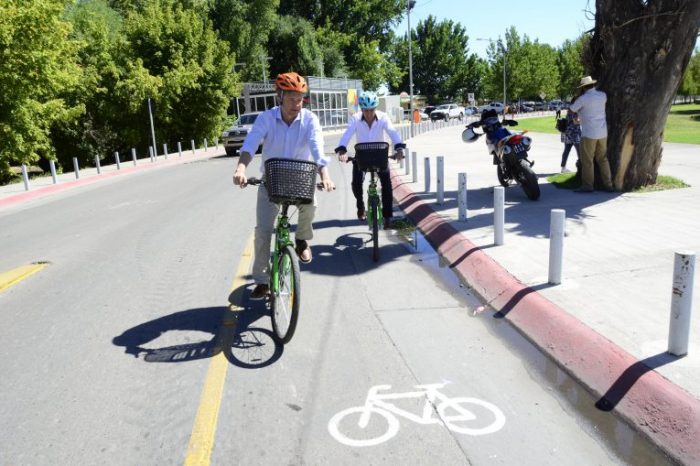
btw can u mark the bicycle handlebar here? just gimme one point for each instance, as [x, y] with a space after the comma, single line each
[260, 182]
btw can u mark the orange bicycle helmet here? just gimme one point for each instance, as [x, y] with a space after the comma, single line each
[291, 82]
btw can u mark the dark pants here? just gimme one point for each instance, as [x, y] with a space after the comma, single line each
[358, 177]
[567, 149]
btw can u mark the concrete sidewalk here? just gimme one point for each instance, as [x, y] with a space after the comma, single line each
[607, 323]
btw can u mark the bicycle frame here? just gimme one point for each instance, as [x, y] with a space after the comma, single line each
[373, 193]
[282, 240]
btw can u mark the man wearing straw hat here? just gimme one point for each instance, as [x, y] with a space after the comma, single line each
[590, 106]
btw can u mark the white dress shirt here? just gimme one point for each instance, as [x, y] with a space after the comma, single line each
[591, 111]
[365, 133]
[302, 140]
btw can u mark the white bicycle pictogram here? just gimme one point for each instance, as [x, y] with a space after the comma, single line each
[452, 412]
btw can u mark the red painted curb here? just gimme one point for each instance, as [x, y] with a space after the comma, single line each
[668, 415]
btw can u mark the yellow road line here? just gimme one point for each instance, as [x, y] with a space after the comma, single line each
[14, 276]
[204, 429]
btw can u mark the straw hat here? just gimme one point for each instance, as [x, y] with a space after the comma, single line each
[587, 81]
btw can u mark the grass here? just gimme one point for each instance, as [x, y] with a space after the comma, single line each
[683, 124]
[663, 182]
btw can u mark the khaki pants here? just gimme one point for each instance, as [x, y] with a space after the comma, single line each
[593, 150]
[266, 214]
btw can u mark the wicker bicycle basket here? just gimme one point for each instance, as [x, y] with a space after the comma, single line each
[290, 181]
[372, 155]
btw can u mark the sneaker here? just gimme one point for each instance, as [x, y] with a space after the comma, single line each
[260, 291]
[303, 251]
[565, 170]
[361, 214]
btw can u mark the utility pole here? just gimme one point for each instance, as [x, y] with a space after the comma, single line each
[411, 4]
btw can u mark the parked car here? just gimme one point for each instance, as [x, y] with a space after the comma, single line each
[498, 106]
[429, 109]
[447, 112]
[470, 111]
[234, 136]
[539, 106]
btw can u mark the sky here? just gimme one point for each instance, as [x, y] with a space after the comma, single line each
[549, 21]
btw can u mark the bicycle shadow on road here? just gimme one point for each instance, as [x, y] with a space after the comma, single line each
[201, 333]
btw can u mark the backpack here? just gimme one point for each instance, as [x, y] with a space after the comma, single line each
[561, 125]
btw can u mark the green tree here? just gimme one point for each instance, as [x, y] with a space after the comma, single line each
[38, 64]
[690, 86]
[294, 47]
[443, 69]
[570, 64]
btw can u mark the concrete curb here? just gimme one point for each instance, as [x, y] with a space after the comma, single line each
[668, 415]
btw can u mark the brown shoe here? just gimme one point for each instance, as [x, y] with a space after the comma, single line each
[260, 291]
[303, 251]
[361, 214]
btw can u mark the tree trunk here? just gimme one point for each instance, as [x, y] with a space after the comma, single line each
[638, 53]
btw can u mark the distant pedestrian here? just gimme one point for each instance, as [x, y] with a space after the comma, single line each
[590, 107]
[557, 115]
[571, 138]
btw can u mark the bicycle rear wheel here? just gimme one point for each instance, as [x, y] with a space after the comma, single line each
[286, 299]
[374, 212]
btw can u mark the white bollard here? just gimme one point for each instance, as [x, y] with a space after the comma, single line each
[133, 155]
[440, 180]
[150, 153]
[681, 302]
[499, 196]
[76, 167]
[205, 144]
[165, 151]
[408, 161]
[462, 196]
[216, 142]
[25, 177]
[179, 148]
[192, 144]
[556, 245]
[52, 166]
[426, 171]
[98, 167]
[116, 158]
[414, 166]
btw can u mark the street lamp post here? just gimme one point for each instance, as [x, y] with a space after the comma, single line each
[411, 3]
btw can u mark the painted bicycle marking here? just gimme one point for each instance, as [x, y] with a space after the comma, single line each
[379, 410]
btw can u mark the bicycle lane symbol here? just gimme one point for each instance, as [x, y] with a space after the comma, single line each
[378, 418]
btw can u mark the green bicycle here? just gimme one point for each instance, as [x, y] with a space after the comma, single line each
[371, 158]
[289, 183]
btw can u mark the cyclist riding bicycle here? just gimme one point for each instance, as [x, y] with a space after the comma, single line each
[369, 125]
[285, 131]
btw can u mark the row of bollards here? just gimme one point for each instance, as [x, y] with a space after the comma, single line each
[684, 262]
[117, 161]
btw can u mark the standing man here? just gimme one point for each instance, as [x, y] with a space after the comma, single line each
[590, 106]
[285, 131]
[369, 125]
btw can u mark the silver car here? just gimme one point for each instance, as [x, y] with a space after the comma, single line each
[234, 136]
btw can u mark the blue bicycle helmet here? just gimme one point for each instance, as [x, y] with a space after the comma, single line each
[368, 100]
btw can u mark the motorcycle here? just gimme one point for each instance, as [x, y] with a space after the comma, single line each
[509, 150]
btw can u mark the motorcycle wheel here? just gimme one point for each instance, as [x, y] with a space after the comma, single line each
[502, 178]
[528, 180]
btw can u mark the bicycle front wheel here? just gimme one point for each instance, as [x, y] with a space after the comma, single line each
[374, 212]
[287, 296]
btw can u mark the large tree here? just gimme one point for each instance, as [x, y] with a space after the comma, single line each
[638, 53]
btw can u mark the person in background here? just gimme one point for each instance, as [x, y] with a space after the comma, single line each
[369, 125]
[571, 138]
[590, 107]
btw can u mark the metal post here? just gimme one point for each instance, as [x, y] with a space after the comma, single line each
[216, 142]
[116, 159]
[681, 302]
[165, 151]
[556, 245]
[192, 144]
[150, 153]
[52, 166]
[150, 117]
[179, 148]
[498, 214]
[408, 161]
[133, 155]
[97, 164]
[462, 196]
[427, 174]
[76, 168]
[411, 3]
[440, 179]
[25, 177]
[205, 145]
[414, 163]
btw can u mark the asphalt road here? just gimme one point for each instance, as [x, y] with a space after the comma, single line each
[137, 345]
